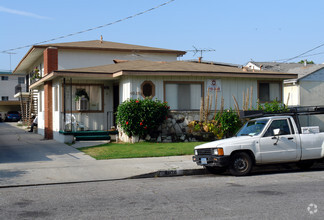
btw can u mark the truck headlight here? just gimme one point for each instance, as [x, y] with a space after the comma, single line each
[218, 151]
[196, 152]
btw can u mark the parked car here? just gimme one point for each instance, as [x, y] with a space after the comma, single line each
[13, 116]
[266, 140]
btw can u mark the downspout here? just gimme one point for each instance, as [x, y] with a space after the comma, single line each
[71, 101]
[64, 103]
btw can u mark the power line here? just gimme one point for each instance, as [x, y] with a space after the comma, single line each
[300, 55]
[90, 29]
[309, 55]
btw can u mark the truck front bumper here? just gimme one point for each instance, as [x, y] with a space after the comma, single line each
[211, 160]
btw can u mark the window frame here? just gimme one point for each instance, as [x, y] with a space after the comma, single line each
[142, 88]
[269, 82]
[4, 98]
[81, 111]
[19, 78]
[4, 78]
[202, 83]
[288, 124]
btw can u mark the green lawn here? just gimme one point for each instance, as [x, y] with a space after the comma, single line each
[142, 149]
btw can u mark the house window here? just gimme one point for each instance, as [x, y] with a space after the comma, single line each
[4, 77]
[269, 91]
[183, 95]
[148, 89]
[4, 98]
[21, 80]
[18, 89]
[84, 98]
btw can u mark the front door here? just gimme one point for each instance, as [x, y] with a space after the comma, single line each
[278, 148]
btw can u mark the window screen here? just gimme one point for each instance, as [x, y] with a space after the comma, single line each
[183, 96]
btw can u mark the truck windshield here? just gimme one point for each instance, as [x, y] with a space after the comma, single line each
[253, 127]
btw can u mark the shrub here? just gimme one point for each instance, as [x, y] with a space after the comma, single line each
[229, 122]
[273, 107]
[226, 123]
[139, 117]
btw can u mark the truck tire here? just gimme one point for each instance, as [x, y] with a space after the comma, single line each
[216, 170]
[305, 165]
[240, 164]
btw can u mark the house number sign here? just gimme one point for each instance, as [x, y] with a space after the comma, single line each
[214, 85]
[135, 93]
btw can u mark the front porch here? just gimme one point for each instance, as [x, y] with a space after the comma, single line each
[89, 135]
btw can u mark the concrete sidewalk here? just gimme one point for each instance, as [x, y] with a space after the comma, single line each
[27, 159]
[53, 172]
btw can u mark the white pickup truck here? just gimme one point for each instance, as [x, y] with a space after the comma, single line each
[267, 140]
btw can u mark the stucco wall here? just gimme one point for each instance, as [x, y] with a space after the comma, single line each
[7, 87]
[291, 91]
[69, 59]
[311, 93]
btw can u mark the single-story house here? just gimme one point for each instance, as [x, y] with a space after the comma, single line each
[106, 77]
[305, 90]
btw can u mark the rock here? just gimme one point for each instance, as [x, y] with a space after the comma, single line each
[178, 129]
[148, 137]
[185, 122]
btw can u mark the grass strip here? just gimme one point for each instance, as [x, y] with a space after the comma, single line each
[142, 149]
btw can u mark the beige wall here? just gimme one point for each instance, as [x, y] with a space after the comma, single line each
[291, 91]
[131, 86]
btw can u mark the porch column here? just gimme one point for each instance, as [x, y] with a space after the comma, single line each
[48, 110]
[50, 65]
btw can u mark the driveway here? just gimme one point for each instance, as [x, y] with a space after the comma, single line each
[19, 146]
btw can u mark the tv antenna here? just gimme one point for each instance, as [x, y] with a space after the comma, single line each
[9, 53]
[201, 51]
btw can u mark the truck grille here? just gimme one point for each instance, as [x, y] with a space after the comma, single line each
[204, 151]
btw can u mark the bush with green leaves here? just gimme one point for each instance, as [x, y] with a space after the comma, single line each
[229, 122]
[273, 107]
[139, 117]
[226, 123]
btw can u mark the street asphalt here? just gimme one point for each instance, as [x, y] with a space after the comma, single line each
[27, 159]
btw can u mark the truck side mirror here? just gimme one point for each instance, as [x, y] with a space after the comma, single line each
[276, 131]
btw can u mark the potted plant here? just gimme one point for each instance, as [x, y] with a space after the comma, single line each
[81, 93]
[36, 74]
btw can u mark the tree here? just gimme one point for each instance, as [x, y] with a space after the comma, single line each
[307, 62]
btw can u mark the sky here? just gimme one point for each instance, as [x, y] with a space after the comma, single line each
[235, 31]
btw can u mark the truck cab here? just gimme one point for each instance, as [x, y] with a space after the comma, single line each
[265, 140]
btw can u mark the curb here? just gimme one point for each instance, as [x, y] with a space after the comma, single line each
[160, 173]
[171, 173]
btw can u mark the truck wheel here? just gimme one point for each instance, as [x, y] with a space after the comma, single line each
[216, 170]
[240, 164]
[305, 165]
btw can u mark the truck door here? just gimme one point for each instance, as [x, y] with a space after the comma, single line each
[282, 148]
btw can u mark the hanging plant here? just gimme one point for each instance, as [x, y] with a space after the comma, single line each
[36, 74]
[81, 93]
